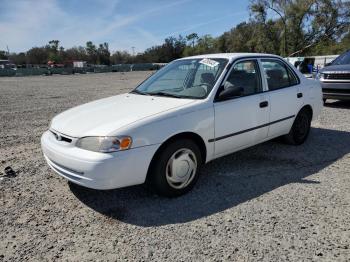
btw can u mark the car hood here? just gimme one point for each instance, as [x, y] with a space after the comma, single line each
[335, 68]
[103, 117]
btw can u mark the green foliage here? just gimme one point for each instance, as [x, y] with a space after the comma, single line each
[172, 48]
[302, 24]
[103, 54]
[121, 57]
[192, 38]
[91, 51]
[205, 45]
[332, 46]
[3, 54]
[37, 55]
[18, 59]
[283, 27]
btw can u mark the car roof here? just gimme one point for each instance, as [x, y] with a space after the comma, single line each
[230, 56]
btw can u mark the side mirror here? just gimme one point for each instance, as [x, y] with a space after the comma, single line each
[328, 64]
[230, 92]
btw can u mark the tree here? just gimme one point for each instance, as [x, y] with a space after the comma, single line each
[205, 45]
[103, 54]
[172, 48]
[18, 59]
[3, 54]
[192, 38]
[122, 57]
[332, 46]
[91, 52]
[259, 7]
[53, 45]
[75, 53]
[295, 27]
[303, 23]
[55, 52]
[37, 55]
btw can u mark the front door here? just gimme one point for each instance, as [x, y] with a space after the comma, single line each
[241, 121]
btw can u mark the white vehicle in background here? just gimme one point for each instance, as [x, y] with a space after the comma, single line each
[190, 112]
[6, 64]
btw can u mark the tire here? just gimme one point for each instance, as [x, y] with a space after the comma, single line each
[181, 155]
[300, 129]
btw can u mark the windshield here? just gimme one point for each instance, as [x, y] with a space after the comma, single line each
[343, 59]
[188, 78]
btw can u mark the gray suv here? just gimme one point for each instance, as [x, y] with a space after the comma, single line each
[335, 78]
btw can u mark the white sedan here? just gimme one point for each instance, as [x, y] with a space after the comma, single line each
[190, 112]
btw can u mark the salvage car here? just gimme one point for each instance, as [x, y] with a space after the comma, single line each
[192, 111]
[335, 78]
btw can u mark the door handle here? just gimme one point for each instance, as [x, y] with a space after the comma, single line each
[299, 95]
[264, 104]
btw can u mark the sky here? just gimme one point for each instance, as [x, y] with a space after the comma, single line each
[121, 23]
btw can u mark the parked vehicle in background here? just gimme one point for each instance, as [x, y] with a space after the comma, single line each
[6, 64]
[310, 65]
[335, 78]
[3, 63]
[188, 113]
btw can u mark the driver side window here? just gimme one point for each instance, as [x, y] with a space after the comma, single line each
[245, 75]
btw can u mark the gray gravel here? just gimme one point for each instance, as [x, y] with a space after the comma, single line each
[272, 202]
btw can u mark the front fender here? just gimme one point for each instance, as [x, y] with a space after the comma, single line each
[198, 120]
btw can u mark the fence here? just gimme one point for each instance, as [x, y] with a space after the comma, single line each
[79, 70]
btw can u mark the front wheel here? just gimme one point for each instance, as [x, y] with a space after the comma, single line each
[300, 129]
[174, 171]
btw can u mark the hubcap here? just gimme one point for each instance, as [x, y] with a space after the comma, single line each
[181, 168]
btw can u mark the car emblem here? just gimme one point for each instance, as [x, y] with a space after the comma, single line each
[58, 137]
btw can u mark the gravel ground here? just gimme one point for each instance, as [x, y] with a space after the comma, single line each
[272, 202]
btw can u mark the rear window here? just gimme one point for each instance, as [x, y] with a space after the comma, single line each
[278, 74]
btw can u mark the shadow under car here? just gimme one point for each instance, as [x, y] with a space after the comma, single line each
[224, 183]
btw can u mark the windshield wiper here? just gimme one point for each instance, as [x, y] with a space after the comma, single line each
[135, 91]
[161, 93]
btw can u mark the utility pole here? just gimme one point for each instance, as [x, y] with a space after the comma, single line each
[8, 50]
[133, 50]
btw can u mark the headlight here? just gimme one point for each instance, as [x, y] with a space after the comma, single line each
[105, 144]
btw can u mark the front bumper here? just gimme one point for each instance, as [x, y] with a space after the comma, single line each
[336, 90]
[97, 170]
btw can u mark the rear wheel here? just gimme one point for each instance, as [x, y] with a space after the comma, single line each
[300, 129]
[174, 171]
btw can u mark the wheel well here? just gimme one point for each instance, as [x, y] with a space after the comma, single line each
[308, 108]
[185, 135]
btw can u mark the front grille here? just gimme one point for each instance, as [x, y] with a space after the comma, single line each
[342, 76]
[336, 91]
[60, 137]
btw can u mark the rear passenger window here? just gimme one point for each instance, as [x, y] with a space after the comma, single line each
[245, 75]
[278, 74]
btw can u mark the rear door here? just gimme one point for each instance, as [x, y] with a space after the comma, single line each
[285, 95]
[240, 121]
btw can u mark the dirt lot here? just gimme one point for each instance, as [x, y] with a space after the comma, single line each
[272, 202]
